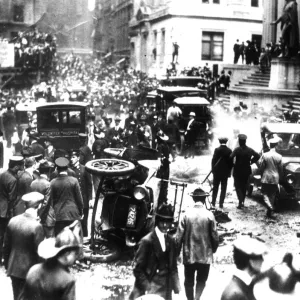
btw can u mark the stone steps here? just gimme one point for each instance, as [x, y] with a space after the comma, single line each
[254, 82]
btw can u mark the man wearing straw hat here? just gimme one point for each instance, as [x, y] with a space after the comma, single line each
[155, 267]
[197, 233]
[52, 278]
[23, 236]
[248, 258]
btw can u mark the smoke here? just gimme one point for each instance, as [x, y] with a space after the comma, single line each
[229, 125]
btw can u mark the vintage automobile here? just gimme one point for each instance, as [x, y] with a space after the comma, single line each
[200, 106]
[62, 121]
[289, 148]
[163, 97]
[23, 111]
[126, 200]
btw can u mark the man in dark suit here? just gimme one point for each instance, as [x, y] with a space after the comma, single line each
[244, 158]
[86, 153]
[221, 165]
[8, 194]
[66, 197]
[9, 123]
[197, 234]
[155, 267]
[248, 257]
[23, 235]
[35, 146]
[117, 134]
[85, 182]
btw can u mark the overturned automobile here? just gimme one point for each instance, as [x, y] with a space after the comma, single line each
[289, 147]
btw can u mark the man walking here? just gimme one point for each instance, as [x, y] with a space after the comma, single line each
[66, 196]
[191, 133]
[23, 236]
[244, 158]
[197, 233]
[8, 194]
[236, 51]
[221, 166]
[272, 169]
[248, 258]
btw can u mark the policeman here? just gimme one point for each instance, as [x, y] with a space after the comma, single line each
[245, 157]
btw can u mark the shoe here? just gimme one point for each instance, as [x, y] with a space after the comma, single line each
[240, 206]
[186, 157]
[270, 214]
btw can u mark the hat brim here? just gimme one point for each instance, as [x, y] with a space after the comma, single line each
[262, 290]
[164, 217]
[47, 249]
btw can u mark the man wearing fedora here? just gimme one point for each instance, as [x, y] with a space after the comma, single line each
[155, 263]
[65, 194]
[58, 255]
[221, 166]
[272, 171]
[8, 194]
[22, 238]
[117, 134]
[197, 235]
[244, 158]
[35, 146]
[248, 258]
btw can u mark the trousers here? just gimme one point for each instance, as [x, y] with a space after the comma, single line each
[269, 193]
[240, 184]
[216, 184]
[3, 225]
[17, 286]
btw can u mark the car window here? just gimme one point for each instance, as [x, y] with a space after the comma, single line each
[49, 119]
[71, 118]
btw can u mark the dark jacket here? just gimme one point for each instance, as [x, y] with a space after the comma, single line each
[37, 149]
[54, 174]
[245, 157]
[85, 182]
[146, 266]
[23, 235]
[66, 197]
[221, 163]
[8, 193]
[237, 290]
[172, 131]
[85, 155]
[192, 132]
[60, 283]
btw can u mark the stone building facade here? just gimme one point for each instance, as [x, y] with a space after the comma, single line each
[205, 31]
[70, 20]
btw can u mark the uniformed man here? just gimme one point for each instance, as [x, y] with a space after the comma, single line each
[248, 258]
[23, 235]
[117, 134]
[85, 183]
[221, 165]
[244, 158]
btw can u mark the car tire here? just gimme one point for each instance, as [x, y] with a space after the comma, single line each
[108, 251]
[109, 167]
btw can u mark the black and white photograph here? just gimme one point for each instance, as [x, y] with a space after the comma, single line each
[149, 150]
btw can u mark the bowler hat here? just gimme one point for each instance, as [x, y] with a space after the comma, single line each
[164, 212]
[223, 139]
[192, 114]
[199, 194]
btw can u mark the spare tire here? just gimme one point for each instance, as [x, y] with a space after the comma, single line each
[110, 167]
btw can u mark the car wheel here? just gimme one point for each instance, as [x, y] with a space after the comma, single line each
[109, 167]
[104, 251]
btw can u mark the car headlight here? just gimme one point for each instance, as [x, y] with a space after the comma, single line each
[139, 192]
[290, 179]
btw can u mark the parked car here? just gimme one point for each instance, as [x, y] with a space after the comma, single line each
[63, 121]
[289, 148]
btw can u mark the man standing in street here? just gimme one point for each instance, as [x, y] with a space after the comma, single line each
[272, 170]
[191, 135]
[8, 194]
[244, 158]
[23, 236]
[248, 258]
[197, 233]
[85, 182]
[236, 50]
[66, 196]
[221, 166]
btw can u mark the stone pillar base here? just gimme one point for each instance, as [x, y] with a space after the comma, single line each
[285, 73]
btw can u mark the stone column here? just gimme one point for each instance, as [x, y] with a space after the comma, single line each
[270, 15]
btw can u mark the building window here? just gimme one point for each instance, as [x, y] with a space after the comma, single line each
[18, 13]
[216, 1]
[162, 46]
[212, 45]
[254, 3]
